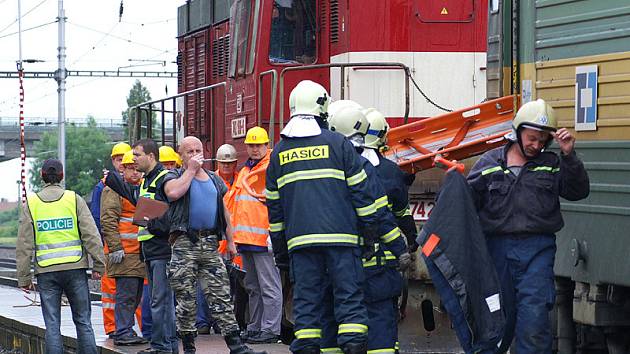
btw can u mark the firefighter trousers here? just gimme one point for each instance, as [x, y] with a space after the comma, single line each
[525, 268]
[381, 288]
[310, 270]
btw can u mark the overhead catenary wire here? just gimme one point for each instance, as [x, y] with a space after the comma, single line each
[128, 40]
[25, 14]
[28, 29]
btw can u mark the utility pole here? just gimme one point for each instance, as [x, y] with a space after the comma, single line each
[60, 77]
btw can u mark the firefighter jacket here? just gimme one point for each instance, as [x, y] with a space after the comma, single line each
[391, 244]
[453, 241]
[318, 194]
[249, 218]
[156, 247]
[527, 203]
[90, 239]
[395, 182]
[120, 233]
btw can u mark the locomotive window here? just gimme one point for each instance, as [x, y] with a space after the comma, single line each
[239, 31]
[293, 32]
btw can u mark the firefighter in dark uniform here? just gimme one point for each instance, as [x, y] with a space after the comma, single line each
[383, 281]
[397, 181]
[516, 189]
[320, 211]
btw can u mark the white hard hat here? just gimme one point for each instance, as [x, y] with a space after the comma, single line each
[226, 153]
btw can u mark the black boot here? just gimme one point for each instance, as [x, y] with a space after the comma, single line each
[354, 348]
[309, 350]
[188, 342]
[236, 346]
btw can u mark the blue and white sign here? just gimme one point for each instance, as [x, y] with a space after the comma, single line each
[586, 97]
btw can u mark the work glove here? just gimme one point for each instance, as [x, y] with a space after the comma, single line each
[404, 261]
[117, 257]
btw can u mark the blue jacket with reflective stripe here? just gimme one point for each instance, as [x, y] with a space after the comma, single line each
[388, 231]
[318, 193]
[528, 203]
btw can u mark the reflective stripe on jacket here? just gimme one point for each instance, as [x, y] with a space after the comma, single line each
[148, 192]
[57, 239]
[250, 221]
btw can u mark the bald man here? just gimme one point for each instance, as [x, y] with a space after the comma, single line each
[198, 221]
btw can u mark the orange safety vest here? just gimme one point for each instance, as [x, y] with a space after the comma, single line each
[249, 219]
[129, 239]
[228, 198]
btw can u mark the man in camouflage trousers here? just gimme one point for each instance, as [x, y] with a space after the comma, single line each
[198, 219]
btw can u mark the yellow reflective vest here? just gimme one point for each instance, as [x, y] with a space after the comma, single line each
[57, 239]
[148, 192]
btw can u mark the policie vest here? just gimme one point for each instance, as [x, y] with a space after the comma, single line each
[148, 192]
[57, 239]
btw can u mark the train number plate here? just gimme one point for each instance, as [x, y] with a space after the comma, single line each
[238, 127]
[421, 208]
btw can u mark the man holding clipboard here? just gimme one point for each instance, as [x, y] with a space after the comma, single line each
[156, 250]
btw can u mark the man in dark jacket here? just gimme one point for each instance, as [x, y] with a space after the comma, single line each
[198, 220]
[517, 189]
[155, 248]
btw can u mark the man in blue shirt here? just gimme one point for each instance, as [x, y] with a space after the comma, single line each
[197, 221]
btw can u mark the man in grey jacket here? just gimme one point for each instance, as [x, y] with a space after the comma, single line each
[57, 225]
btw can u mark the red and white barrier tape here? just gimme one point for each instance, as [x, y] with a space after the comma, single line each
[22, 142]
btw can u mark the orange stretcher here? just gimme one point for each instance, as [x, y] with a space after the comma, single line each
[453, 136]
[441, 141]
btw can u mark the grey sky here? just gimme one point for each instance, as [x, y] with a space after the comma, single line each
[94, 40]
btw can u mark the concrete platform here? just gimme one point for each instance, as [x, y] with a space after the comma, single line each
[22, 328]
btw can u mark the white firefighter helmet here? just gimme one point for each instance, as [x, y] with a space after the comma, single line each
[538, 115]
[309, 98]
[336, 106]
[350, 122]
[377, 134]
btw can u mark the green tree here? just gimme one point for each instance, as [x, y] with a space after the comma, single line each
[87, 153]
[138, 94]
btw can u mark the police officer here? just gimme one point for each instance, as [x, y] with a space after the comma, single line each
[383, 281]
[58, 226]
[198, 220]
[319, 204]
[394, 180]
[517, 189]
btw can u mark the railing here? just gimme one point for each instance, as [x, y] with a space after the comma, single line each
[342, 77]
[52, 122]
[274, 93]
[148, 108]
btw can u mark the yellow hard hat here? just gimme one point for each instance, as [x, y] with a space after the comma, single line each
[128, 158]
[167, 154]
[179, 161]
[256, 135]
[120, 149]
